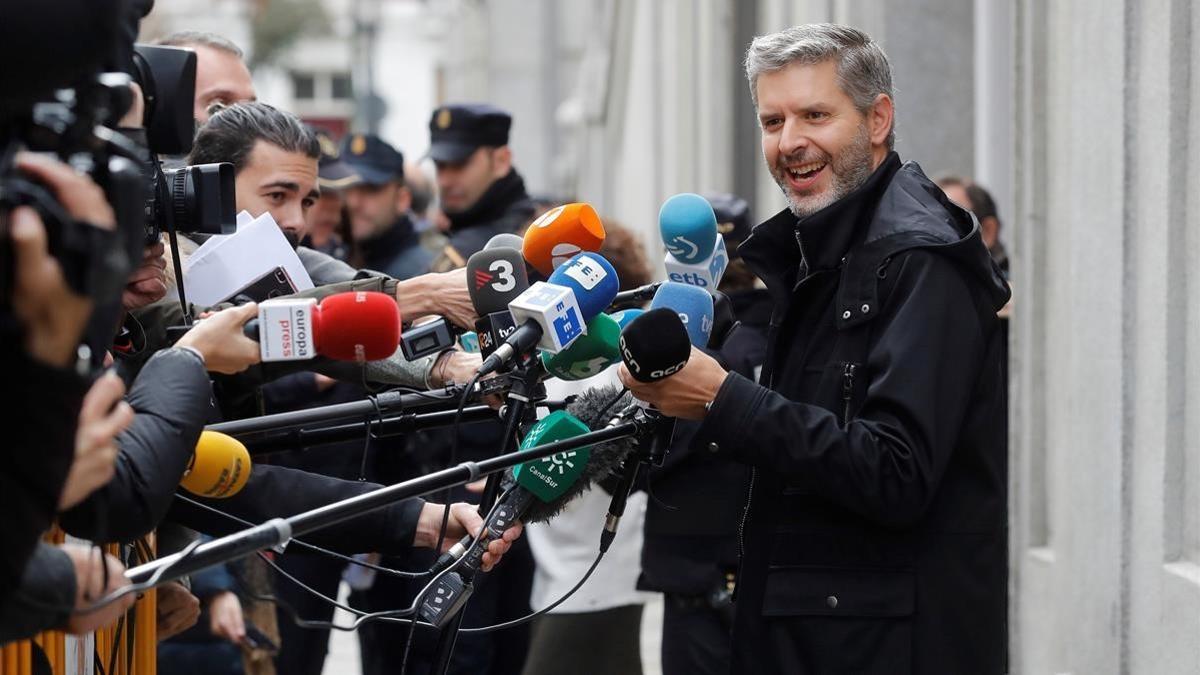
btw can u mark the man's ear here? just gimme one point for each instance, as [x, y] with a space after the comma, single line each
[501, 162]
[403, 199]
[989, 229]
[880, 119]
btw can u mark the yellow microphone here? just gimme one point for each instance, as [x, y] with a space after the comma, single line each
[219, 468]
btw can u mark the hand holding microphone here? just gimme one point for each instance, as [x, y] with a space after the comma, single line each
[220, 340]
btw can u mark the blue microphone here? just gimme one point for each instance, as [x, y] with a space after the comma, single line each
[626, 316]
[553, 314]
[689, 227]
[694, 306]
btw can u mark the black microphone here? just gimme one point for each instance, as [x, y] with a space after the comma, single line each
[495, 277]
[654, 346]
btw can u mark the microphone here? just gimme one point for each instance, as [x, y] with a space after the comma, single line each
[219, 467]
[505, 240]
[540, 489]
[655, 345]
[561, 233]
[626, 316]
[356, 326]
[495, 277]
[694, 306]
[551, 315]
[696, 255]
[590, 354]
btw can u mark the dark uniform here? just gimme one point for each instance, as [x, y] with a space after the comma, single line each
[875, 535]
[396, 250]
[455, 132]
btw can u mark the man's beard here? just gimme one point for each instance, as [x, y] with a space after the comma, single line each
[848, 171]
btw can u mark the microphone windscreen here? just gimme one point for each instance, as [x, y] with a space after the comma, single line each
[694, 306]
[688, 227]
[494, 278]
[626, 316]
[358, 326]
[589, 354]
[556, 480]
[505, 240]
[560, 233]
[219, 468]
[655, 345]
[592, 279]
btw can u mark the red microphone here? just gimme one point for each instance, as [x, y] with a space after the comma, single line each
[560, 233]
[356, 326]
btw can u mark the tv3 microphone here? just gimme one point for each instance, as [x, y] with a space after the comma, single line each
[696, 253]
[356, 326]
[551, 315]
[495, 277]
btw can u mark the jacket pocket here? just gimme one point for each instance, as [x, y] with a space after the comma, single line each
[840, 620]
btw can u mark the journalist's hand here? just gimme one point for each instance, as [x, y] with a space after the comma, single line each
[225, 618]
[685, 393]
[148, 283]
[177, 610]
[219, 338]
[102, 417]
[91, 569]
[464, 518]
[443, 293]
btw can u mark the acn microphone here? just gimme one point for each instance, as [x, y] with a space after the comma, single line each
[356, 326]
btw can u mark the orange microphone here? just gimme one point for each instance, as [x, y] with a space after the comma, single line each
[561, 233]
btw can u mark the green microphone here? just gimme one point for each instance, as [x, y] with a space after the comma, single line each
[591, 352]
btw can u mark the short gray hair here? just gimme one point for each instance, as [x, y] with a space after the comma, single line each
[197, 38]
[863, 69]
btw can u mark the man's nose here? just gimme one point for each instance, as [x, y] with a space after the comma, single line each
[793, 139]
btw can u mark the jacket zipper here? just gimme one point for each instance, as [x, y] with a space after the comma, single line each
[847, 390]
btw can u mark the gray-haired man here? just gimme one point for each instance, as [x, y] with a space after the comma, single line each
[874, 540]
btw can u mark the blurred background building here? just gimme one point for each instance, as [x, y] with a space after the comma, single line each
[1082, 118]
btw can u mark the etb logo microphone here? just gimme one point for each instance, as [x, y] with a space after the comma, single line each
[695, 252]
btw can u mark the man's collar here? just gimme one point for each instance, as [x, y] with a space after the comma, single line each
[824, 237]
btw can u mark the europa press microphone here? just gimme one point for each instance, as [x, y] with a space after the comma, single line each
[539, 491]
[356, 326]
[551, 315]
[561, 233]
[695, 251]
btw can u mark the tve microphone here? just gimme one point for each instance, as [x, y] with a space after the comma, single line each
[505, 240]
[694, 306]
[590, 354]
[357, 326]
[696, 255]
[561, 233]
[495, 277]
[552, 314]
[219, 467]
[655, 345]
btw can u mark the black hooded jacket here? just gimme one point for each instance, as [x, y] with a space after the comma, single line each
[503, 209]
[874, 540]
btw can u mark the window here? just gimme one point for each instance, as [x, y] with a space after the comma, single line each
[304, 85]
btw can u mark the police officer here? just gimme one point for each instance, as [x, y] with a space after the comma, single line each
[481, 193]
[378, 204]
[326, 226]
